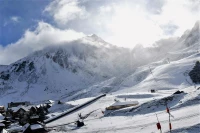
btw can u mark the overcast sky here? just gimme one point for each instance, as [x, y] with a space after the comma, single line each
[30, 25]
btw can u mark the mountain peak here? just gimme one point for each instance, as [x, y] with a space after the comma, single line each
[197, 25]
[96, 40]
[95, 37]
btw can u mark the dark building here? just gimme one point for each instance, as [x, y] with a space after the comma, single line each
[15, 104]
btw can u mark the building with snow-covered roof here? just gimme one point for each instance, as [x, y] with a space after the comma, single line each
[119, 105]
[2, 126]
[15, 104]
[4, 131]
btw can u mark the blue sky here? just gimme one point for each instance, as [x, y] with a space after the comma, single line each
[30, 25]
[16, 16]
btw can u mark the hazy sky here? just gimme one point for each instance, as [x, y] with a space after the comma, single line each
[30, 25]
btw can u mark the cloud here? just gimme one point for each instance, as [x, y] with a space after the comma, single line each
[11, 20]
[44, 35]
[126, 23]
[145, 22]
[15, 19]
[123, 23]
[169, 29]
[179, 13]
[154, 6]
[64, 11]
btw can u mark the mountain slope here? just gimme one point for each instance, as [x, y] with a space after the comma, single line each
[89, 66]
[62, 71]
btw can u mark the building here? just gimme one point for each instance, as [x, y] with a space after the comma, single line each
[15, 104]
[119, 105]
[2, 109]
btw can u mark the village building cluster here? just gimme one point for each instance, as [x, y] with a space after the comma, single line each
[24, 114]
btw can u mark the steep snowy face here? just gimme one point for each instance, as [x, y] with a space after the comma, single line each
[63, 71]
[192, 37]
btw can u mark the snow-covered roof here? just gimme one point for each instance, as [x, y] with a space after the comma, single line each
[25, 127]
[15, 127]
[1, 117]
[49, 101]
[36, 126]
[15, 109]
[125, 103]
[4, 131]
[2, 125]
[34, 116]
[30, 106]
[2, 121]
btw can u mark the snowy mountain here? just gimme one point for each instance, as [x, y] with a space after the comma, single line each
[76, 71]
[172, 85]
[64, 70]
[88, 66]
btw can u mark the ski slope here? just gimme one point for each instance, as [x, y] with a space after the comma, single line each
[166, 79]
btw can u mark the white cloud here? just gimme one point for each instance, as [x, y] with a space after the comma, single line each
[127, 23]
[178, 13]
[129, 26]
[44, 35]
[144, 22]
[15, 19]
[64, 11]
[121, 23]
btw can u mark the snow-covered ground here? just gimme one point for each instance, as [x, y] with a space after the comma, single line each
[140, 120]
[166, 80]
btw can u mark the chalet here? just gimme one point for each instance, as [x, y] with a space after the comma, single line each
[119, 105]
[33, 110]
[6, 123]
[19, 111]
[15, 104]
[2, 128]
[3, 131]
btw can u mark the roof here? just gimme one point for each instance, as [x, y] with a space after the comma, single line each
[4, 131]
[36, 126]
[49, 101]
[1, 117]
[15, 109]
[125, 103]
[25, 127]
[25, 108]
[2, 121]
[2, 125]
[34, 117]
